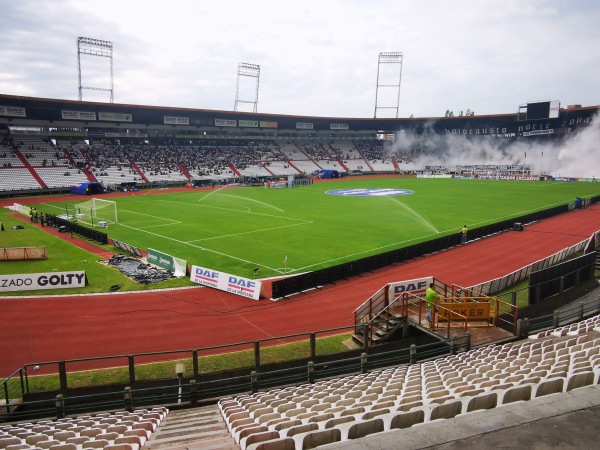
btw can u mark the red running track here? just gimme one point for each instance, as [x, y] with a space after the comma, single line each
[58, 328]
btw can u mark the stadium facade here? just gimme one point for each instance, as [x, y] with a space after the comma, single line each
[98, 119]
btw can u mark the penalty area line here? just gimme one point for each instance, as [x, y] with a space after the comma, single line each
[249, 232]
[225, 255]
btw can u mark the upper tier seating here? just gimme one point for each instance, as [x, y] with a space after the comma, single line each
[113, 162]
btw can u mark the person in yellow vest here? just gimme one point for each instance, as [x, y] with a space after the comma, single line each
[464, 232]
[431, 297]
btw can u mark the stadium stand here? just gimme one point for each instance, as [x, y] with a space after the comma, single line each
[352, 407]
[110, 431]
[17, 178]
[63, 163]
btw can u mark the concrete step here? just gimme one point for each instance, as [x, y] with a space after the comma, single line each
[195, 428]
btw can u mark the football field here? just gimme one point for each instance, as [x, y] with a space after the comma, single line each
[286, 231]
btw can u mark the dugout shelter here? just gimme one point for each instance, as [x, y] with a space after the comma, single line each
[89, 188]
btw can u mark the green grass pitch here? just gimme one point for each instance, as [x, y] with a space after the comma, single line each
[237, 229]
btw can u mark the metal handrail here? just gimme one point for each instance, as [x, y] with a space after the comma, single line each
[471, 294]
[409, 298]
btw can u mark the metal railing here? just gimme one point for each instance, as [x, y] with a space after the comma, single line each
[193, 391]
[414, 305]
[13, 388]
[566, 315]
[502, 313]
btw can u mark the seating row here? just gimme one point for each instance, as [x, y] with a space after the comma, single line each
[116, 431]
[575, 329]
[479, 379]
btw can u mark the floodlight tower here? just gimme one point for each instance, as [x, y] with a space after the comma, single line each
[95, 47]
[389, 58]
[250, 71]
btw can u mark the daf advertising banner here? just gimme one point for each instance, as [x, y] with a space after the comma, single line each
[244, 287]
[225, 123]
[37, 281]
[415, 287]
[78, 115]
[171, 120]
[12, 111]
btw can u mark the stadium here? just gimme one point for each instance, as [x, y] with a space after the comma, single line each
[282, 234]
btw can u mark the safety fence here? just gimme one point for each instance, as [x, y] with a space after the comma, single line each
[199, 387]
[196, 388]
[71, 227]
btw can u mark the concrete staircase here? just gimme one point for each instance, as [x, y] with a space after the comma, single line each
[195, 428]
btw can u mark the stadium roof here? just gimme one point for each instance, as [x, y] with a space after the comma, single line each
[42, 112]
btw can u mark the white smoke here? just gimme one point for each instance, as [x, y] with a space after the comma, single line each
[575, 155]
[580, 156]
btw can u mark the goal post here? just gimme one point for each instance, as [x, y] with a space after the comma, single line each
[97, 210]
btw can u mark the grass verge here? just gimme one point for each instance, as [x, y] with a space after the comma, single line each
[207, 364]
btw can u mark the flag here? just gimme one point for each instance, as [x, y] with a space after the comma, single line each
[285, 260]
[526, 155]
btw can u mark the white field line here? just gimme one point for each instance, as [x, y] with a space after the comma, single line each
[211, 193]
[252, 200]
[401, 243]
[172, 222]
[382, 247]
[161, 225]
[249, 232]
[237, 211]
[199, 247]
[53, 206]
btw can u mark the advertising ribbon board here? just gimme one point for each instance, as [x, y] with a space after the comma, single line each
[473, 311]
[244, 287]
[171, 120]
[37, 281]
[168, 262]
[13, 111]
[415, 287]
[78, 115]
[114, 117]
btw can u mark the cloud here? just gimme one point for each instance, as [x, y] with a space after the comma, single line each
[316, 58]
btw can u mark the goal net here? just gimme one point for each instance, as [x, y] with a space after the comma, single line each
[96, 210]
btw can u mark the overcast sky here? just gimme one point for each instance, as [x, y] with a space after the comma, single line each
[316, 58]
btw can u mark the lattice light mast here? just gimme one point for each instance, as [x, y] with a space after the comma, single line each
[249, 71]
[387, 59]
[95, 47]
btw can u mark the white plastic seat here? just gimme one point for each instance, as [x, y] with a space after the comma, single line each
[446, 410]
[578, 380]
[314, 439]
[258, 437]
[286, 443]
[515, 394]
[287, 424]
[485, 400]
[303, 428]
[244, 432]
[400, 420]
[356, 430]
[134, 441]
